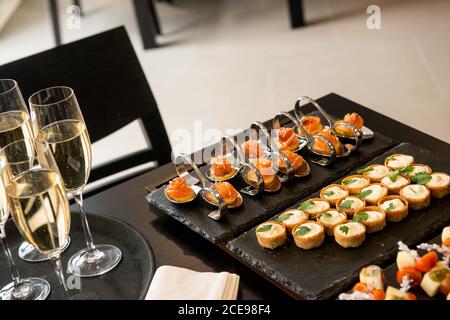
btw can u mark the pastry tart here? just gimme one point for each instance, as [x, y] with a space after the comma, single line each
[331, 219]
[350, 234]
[221, 169]
[253, 149]
[394, 183]
[298, 163]
[287, 139]
[439, 184]
[308, 235]
[312, 124]
[352, 118]
[355, 183]
[272, 182]
[292, 217]
[398, 161]
[395, 207]
[271, 234]
[372, 217]
[350, 204]
[315, 206]
[375, 172]
[419, 168]
[417, 195]
[179, 191]
[333, 193]
[228, 193]
[373, 193]
[321, 147]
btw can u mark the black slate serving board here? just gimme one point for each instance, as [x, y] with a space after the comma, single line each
[256, 209]
[326, 271]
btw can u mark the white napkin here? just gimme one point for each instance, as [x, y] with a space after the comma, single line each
[173, 283]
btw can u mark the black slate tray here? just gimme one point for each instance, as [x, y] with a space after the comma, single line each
[257, 209]
[328, 270]
[130, 280]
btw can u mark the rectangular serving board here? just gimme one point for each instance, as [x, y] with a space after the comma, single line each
[326, 271]
[257, 209]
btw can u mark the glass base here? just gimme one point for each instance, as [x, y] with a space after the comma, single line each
[30, 289]
[97, 262]
[30, 254]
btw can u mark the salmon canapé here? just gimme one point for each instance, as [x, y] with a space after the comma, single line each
[352, 118]
[267, 170]
[179, 191]
[227, 192]
[221, 168]
[287, 139]
[312, 124]
[322, 147]
[295, 160]
[252, 149]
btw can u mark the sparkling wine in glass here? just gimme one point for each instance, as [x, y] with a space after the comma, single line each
[57, 119]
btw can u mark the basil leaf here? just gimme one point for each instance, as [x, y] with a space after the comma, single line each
[329, 193]
[265, 228]
[346, 205]
[285, 216]
[407, 170]
[306, 205]
[325, 216]
[349, 181]
[364, 193]
[390, 207]
[421, 178]
[366, 169]
[302, 231]
[360, 217]
[393, 176]
[391, 158]
[344, 229]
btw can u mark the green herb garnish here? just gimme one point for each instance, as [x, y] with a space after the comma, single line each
[302, 231]
[391, 158]
[438, 275]
[390, 207]
[421, 178]
[346, 205]
[285, 216]
[360, 217]
[366, 169]
[344, 229]
[326, 216]
[306, 205]
[393, 176]
[265, 228]
[407, 170]
[329, 193]
[364, 193]
[349, 181]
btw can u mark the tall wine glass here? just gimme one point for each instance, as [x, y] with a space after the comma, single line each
[20, 288]
[14, 126]
[38, 199]
[57, 119]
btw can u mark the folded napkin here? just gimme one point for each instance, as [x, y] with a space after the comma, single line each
[172, 283]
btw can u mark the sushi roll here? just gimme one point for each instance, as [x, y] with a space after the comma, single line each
[417, 168]
[395, 207]
[271, 234]
[417, 195]
[375, 172]
[292, 217]
[372, 217]
[394, 183]
[398, 161]
[373, 193]
[308, 235]
[355, 183]
[333, 193]
[330, 219]
[315, 206]
[350, 234]
[439, 184]
[350, 204]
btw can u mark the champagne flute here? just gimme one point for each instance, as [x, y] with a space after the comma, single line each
[37, 198]
[14, 126]
[57, 119]
[19, 289]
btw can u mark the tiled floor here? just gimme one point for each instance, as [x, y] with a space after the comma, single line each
[225, 58]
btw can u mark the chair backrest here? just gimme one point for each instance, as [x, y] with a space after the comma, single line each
[111, 88]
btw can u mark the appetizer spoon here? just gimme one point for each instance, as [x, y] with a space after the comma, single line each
[228, 151]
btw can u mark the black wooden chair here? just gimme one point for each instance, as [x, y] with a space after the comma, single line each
[112, 92]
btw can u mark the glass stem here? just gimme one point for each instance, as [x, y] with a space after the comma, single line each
[56, 261]
[78, 196]
[12, 266]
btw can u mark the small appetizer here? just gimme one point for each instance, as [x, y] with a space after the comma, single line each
[312, 124]
[253, 149]
[228, 193]
[375, 172]
[414, 276]
[396, 294]
[292, 217]
[271, 234]
[419, 168]
[308, 235]
[350, 234]
[445, 234]
[354, 119]
[314, 207]
[221, 168]
[272, 182]
[406, 260]
[372, 277]
[297, 162]
[398, 161]
[432, 280]
[355, 183]
[350, 204]
[287, 139]
[372, 217]
[395, 207]
[373, 193]
[395, 182]
[322, 147]
[439, 184]
[333, 193]
[330, 219]
[361, 291]
[179, 191]
[418, 196]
